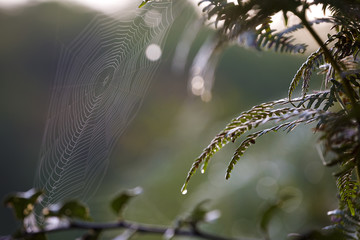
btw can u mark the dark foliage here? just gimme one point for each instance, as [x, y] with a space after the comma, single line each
[335, 109]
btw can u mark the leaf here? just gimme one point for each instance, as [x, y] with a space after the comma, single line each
[201, 214]
[304, 72]
[348, 190]
[304, 115]
[267, 216]
[255, 117]
[120, 201]
[277, 41]
[70, 209]
[23, 202]
[268, 213]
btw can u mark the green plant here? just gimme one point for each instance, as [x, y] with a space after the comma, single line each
[74, 215]
[335, 109]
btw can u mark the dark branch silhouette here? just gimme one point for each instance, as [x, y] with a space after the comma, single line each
[192, 232]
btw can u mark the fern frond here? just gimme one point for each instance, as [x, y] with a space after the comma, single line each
[346, 44]
[308, 116]
[278, 41]
[305, 71]
[331, 100]
[341, 136]
[347, 8]
[241, 22]
[346, 41]
[248, 120]
[323, 99]
[300, 26]
[315, 100]
[346, 224]
[348, 190]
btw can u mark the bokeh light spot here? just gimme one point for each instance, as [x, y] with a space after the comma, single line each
[267, 187]
[153, 52]
[197, 85]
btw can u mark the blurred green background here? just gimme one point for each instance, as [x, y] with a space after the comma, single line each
[169, 132]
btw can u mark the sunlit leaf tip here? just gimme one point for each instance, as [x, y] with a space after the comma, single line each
[227, 175]
[204, 167]
[143, 3]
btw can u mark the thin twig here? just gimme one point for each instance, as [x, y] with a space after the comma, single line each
[137, 227]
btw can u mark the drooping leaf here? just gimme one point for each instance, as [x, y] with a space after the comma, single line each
[278, 41]
[248, 120]
[306, 116]
[23, 202]
[304, 72]
[70, 209]
[121, 200]
[348, 191]
[201, 214]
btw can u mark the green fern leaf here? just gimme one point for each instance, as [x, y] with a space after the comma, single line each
[248, 120]
[312, 60]
[348, 189]
[305, 116]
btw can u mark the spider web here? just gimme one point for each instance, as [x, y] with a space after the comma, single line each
[102, 77]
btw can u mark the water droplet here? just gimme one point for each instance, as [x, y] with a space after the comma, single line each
[184, 191]
[202, 171]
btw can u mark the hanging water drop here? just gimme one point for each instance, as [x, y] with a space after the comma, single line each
[183, 189]
[202, 170]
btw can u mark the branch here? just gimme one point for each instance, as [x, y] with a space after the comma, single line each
[73, 215]
[192, 232]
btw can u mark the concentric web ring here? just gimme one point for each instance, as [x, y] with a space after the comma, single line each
[102, 77]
